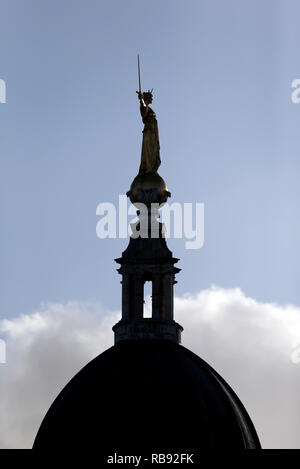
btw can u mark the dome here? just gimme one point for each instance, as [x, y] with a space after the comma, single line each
[147, 394]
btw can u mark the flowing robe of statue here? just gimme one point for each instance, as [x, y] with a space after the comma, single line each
[150, 158]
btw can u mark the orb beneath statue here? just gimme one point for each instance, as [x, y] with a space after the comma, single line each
[148, 188]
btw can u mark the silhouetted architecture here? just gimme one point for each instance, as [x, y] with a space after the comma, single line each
[147, 392]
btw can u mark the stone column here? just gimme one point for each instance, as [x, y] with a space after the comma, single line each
[138, 296]
[156, 292]
[168, 296]
[126, 297]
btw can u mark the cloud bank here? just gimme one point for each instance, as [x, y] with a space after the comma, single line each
[255, 346]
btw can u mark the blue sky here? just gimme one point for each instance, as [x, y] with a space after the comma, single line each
[70, 136]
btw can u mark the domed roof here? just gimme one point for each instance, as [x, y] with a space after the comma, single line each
[147, 394]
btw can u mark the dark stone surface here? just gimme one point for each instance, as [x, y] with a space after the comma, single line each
[146, 395]
[148, 329]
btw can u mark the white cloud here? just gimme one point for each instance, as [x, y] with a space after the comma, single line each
[254, 346]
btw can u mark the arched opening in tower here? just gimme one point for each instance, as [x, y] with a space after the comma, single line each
[147, 311]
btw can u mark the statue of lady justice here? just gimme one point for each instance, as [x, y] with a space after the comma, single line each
[148, 186]
[150, 158]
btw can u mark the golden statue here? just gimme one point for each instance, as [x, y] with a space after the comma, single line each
[148, 186]
[150, 158]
